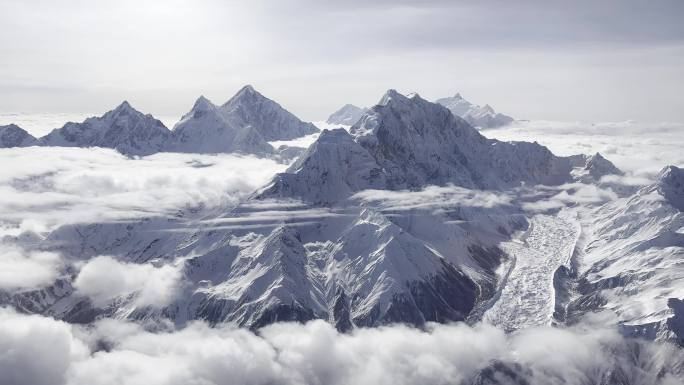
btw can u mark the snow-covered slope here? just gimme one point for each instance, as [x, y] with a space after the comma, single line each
[671, 186]
[246, 123]
[205, 130]
[124, 129]
[481, 117]
[332, 169]
[407, 143]
[359, 267]
[249, 108]
[347, 115]
[633, 263]
[14, 136]
[354, 267]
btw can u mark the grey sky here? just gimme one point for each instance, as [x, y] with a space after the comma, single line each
[597, 61]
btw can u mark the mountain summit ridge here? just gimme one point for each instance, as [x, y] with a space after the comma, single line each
[478, 116]
[244, 124]
[409, 143]
[124, 129]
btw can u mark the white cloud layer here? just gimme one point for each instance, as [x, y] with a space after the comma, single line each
[104, 279]
[641, 149]
[47, 187]
[116, 352]
[22, 269]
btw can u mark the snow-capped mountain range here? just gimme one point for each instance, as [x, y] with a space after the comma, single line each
[476, 116]
[457, 242]
[124, 129]
[347, 115]
[244, 124]
[408, 143]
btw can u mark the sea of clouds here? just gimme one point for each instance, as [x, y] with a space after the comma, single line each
[641, 149]
[38, 350]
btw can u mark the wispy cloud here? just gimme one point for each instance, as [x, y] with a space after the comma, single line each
[48, 187]
[543, 198]
[432, 198]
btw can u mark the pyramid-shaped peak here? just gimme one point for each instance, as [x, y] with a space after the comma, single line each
[598, 166]
[11, 126]
[392, 96]
[458, 96]
[12, 135]
[247, 94]
[247, 90]
[671, 186]
[124, 108]
[671, 175]
[203, 104]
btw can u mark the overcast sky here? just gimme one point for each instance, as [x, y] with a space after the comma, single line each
[592, 61]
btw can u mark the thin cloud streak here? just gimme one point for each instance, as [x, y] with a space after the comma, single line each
[50, 187]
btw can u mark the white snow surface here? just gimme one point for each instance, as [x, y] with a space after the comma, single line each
[637, 247]
[527, 298]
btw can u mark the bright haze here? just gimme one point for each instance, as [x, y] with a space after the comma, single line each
[585, 61]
